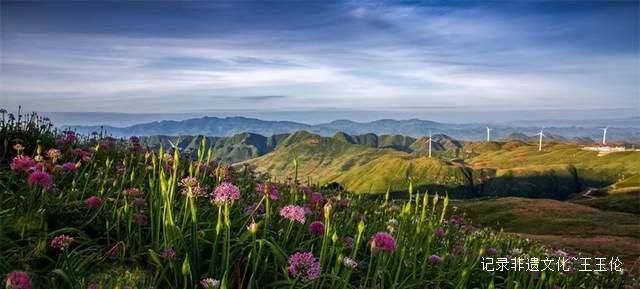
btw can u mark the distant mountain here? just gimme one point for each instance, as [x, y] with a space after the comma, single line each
[396, 129]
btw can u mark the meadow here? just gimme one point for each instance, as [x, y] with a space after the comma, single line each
[96, 212]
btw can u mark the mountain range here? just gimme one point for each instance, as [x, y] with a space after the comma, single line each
[228, 126]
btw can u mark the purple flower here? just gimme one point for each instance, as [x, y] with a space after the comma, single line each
[41, 179]
[316, 228]
[304, 266]
[61, 242]
[316, 199]
[268, 188]
[69, 166]
[169, 254]
[347, 242]
[134, 139]
[18, 280]
[439, 233]
[140, 219]
[382, 241]
[226, 193]
[293, 213]
[22, 164]
[93, 202]
[492, 251]
[435, 260]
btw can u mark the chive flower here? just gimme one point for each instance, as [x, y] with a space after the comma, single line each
[226, 193]
[383, 241]
[40, 179]
[304, 266]
[18, 280]
[293, 213]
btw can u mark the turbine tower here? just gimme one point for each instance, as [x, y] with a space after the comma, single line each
[488, 134]
[429, 143]
[541, 134]
[604, 135]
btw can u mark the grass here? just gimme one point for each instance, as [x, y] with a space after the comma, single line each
[563, 224]
[169, 220]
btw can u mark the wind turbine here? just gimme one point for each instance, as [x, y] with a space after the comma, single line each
[541, 134]
[429, 143]
[488, 134]
[604, 135]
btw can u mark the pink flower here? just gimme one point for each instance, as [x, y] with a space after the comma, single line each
[61, 242]
[382, 241]
[140, 219]
[22, 164]
[435, 260]
[210, 283]
[18, 280]
[169, 254]
[41, 179]
[304, 266]
[316, 228]
[134, 192]
[492, 251]
[226, 193]
[93, 202]
[69, 167]
[54, 153]
[268, 188]
[439, 233]
[293, 213]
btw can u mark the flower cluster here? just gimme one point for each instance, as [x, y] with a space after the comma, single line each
[62, 242]
[293, 213]
[210, 283]
[22, 164]
[18, 280]
[40, 179]
[304, 266]
[268, 188]
[191, 187]
[383, 241]
[316, 228]
[93, 202]
[226, 193]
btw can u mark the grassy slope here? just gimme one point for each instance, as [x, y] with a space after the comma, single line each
[559, 223]
[607, 168]
[358, 168]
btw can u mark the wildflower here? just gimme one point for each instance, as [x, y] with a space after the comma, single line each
[253, 227]
[61, 242]
[41, 179]
[382, 241]
[270, 189]
[18, 147]
[347, 242]
[210, 283]
[133, 192]
[316, 199]
[492, 251]
[140, 219]
[304, 266]
[435, 260]
[316, 228]
[54, 153]
[516, 252]
[191, 187]
[93, 202]
[560, 253]
[134, 139]
[392, 225]
[254, 209]
[69, 166]
[439, 233]
[457, 220]
[18, 280]
[169, 254]
[139, 202]
[137, 148]
[82, 154]
[349, 263]
[226, 172]
[293, 213]
[226, 193]
[22, 164]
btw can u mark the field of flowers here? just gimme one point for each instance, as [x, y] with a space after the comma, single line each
[96, 212]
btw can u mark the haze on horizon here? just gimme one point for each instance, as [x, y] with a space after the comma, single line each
[317, 61]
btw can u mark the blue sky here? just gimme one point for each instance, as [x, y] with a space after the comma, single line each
[266, 57]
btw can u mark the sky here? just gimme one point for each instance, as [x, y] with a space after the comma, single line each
[316, 60]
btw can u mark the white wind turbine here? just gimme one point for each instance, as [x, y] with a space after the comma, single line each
[429, 143]
[488, 134]
[541, 134]
[604, 135]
